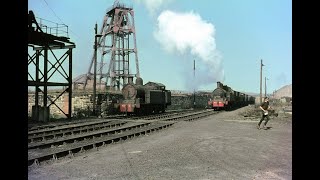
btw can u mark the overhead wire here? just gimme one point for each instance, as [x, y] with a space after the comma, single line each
[60, 18]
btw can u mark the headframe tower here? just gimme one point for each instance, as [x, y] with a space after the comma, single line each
[115, 46]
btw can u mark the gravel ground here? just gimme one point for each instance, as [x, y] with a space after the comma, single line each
[223, 146]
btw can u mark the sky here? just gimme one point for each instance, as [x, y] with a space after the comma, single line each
[225, 40]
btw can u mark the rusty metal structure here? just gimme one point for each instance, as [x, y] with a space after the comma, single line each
[115, 46]
[43, 42]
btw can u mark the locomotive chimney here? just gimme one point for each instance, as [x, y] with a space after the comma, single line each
[130, 80]
[219, 84]
[139, 81]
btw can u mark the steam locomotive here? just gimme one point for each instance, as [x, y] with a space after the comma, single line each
[225, 98]
[140, 99]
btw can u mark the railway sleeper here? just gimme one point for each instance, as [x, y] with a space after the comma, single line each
[72, 139]
[66, 127]
[82, 148]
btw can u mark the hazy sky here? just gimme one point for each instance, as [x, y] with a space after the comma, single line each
[226, 38]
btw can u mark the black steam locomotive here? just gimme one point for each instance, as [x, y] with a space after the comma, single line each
[225, 98]
[140, 99]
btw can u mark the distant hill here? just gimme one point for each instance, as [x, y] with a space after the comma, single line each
[285, 91]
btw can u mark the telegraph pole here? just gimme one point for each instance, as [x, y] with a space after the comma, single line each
[265, 86]
[95, 69]
[194, 80]
[261, 81]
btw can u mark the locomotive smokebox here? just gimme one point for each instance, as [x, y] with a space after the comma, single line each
[139, 81]
[130, 80]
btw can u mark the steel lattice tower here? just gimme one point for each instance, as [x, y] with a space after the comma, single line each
[43, 68]
[116, 47]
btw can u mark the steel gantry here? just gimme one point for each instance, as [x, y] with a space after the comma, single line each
[116, 43]
[44, 65]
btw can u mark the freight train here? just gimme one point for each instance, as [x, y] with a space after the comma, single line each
[225, 98]
[139, 99]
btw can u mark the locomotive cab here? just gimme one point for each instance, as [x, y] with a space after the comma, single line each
[144, 99]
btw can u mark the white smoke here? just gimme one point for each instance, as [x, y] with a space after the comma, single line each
[153, 5]
[188, 33]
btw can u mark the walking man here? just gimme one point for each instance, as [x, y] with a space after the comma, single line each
[265, 115]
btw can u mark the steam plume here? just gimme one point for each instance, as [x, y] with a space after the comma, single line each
[153, 5]
[188, 33]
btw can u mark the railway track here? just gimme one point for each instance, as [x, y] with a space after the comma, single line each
[35, 127]
[67, 130]
[61, 141]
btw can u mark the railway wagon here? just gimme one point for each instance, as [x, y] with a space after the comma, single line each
[225, 98]
[139, 99]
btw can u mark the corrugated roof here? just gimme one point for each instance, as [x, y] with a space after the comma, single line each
[82, 78]
[154, 84]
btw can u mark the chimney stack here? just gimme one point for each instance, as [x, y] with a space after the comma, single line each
[130, 80]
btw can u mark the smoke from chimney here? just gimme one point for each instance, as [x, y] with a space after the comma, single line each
[153, 5]
[188, 33]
